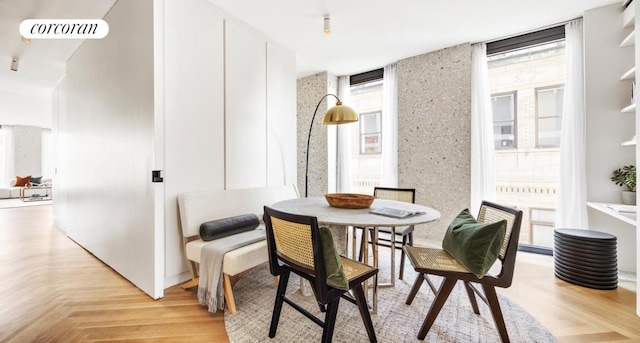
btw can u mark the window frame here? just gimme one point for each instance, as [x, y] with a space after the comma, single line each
[526, 40]
[537, 249]
[366, 77]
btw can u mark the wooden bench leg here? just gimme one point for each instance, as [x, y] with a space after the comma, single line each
[228, 294]
[228, 282]
[190, 283]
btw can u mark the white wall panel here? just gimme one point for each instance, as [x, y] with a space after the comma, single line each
[605, 95]
[606, 127]
[281, 115]
[158, 143]
[60, 145]
[26, 107]
[109, 135]
[194, 112]
[245, 112]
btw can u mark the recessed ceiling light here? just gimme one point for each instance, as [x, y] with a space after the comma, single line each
[327, 24]
[14, 63]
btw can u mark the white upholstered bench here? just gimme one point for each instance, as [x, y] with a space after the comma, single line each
[199, 207]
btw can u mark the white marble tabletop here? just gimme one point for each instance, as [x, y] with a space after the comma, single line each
[319, 207]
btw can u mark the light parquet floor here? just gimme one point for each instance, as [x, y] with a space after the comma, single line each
[573, 313]
[52, 290]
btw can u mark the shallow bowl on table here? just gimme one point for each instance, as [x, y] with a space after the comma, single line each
[349, 200]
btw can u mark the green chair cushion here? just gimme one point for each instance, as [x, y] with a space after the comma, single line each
[475, 245]
[332, 263]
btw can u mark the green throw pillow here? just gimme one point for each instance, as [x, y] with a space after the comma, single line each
[475, 245]
[333, 266]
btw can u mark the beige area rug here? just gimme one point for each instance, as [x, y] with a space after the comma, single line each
[10, 203]
[394, 322]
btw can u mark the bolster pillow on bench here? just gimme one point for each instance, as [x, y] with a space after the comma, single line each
[228, 226]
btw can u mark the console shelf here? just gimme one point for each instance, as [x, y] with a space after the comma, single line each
[628, 143]
[629, 109]
[629, 40]
[610, 209]
[629, 74]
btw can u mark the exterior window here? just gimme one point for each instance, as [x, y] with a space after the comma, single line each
[542, 225]
[366, 144]
[526, 80]
[504, 120]
[370, 133]
[549, 110]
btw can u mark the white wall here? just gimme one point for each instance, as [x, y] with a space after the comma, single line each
[636, 62]
[106, 147]
[281, 115]
[605, 95]
[216, 74]
[194, 112]
[59, 120]
[32, 107]
[245, 102]
[28, 110]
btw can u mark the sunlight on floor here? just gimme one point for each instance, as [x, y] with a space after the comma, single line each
[626, 280]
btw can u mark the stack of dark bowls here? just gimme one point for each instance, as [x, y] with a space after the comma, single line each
[586, 258]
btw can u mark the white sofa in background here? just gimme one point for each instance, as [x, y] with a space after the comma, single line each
[199, 207]
[14, 192]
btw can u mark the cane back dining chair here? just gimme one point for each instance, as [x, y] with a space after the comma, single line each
[296, 244]
[403, 235]
[438, 262]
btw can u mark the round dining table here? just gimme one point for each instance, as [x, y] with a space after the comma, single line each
[340, 219]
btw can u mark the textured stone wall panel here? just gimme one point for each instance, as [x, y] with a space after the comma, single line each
[434, 132]
[310, 90]
[28, 147]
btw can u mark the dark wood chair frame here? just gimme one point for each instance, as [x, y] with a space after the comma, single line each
[406, 234]
[488, 282]
[326, 296]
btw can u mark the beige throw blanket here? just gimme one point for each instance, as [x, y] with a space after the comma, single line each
[210, 287]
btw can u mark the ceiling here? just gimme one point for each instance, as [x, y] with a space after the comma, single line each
[366, 34]
[41, 62]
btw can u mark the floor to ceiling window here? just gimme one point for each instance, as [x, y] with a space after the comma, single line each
[366, 162]
[527, 76]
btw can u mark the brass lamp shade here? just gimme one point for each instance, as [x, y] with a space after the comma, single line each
[339, 114]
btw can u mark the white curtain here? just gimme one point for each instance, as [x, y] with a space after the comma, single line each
[390, 127]
[343, 144]
[572, 191]
[9, 170]
[483, 181]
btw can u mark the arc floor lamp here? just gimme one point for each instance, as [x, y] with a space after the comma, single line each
[336, 115]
